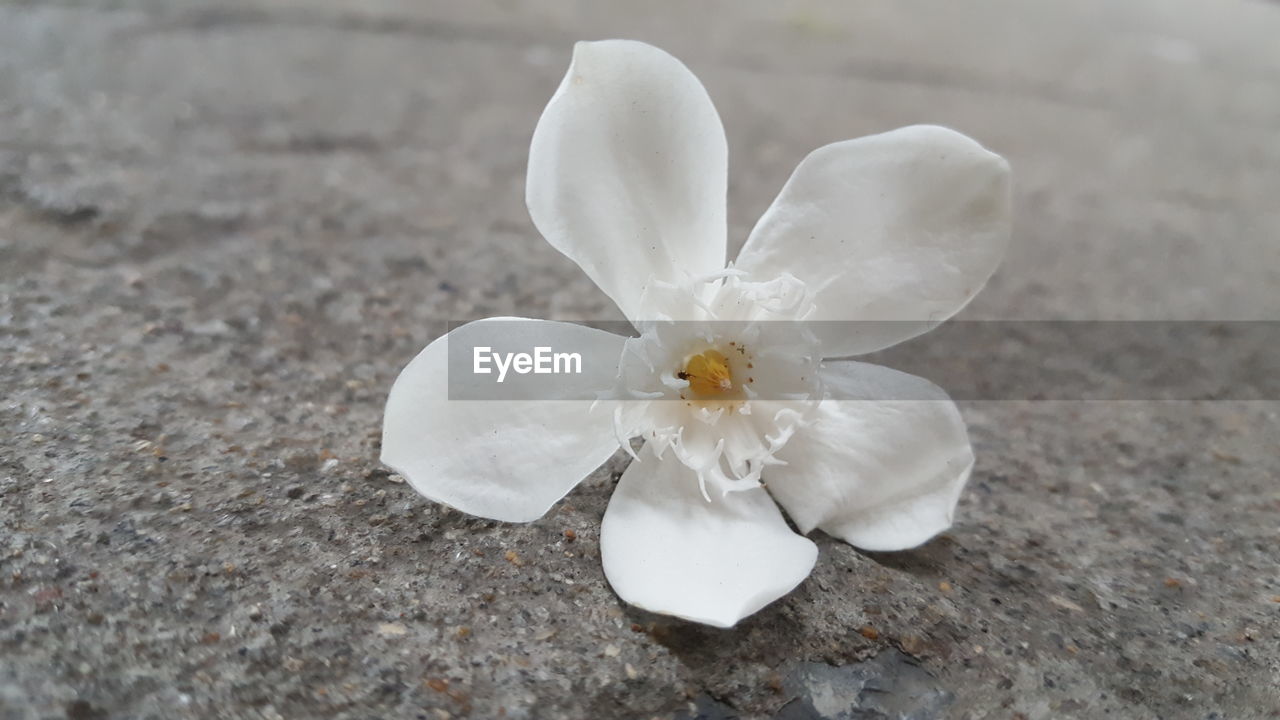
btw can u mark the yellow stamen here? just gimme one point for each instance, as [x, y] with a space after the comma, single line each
[708, 373]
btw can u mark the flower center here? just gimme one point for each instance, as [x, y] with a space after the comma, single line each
[708, 373]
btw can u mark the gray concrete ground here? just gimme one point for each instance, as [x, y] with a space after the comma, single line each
[225, 227]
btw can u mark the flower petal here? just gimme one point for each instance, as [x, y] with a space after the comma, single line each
[668, 550]
[505, 459]
[904, 226]
[628, 171]
[882, 473]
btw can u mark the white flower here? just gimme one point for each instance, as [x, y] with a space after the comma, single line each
[627, 177]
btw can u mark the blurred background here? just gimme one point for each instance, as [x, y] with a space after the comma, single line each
[226, 226]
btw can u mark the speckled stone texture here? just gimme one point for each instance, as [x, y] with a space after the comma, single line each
[225, 227]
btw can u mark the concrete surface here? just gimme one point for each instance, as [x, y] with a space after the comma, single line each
[225, 227]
